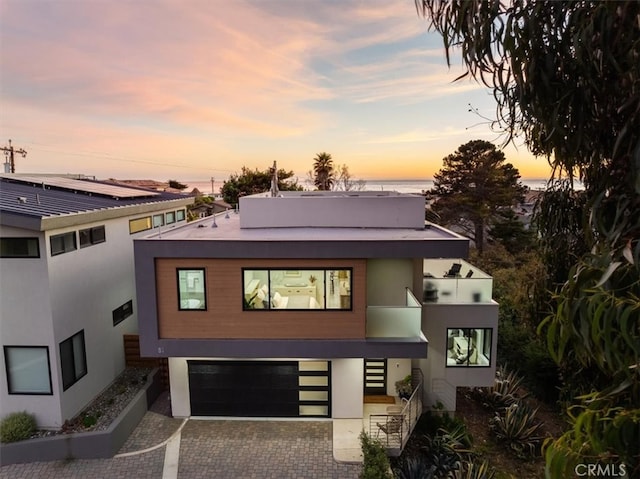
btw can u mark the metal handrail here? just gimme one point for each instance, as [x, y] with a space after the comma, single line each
[397, 427]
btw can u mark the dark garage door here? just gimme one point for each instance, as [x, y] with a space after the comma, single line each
[244, 388]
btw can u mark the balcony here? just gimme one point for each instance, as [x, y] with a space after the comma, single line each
[394, 428]
[455, 281]
[395, 321]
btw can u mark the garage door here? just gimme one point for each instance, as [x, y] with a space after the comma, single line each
[259, 388]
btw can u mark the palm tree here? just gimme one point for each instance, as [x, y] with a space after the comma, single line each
[324, 176]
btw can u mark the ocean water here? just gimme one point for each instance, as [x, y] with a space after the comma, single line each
[401, 186]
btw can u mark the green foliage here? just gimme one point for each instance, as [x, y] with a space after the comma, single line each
[89, 420]
[404, 387]
[559, 218]
[250, 182]
[375, 461]
[17, 426]
[566, 76]
[415, 467]
[176, 185]
[517, 426]
[475, 470]
[324, 175]
[510, 231]
[505, 392]
[474, 184]
[430, 423]
[440, 443]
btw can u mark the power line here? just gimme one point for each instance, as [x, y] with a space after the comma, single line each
[9, 152]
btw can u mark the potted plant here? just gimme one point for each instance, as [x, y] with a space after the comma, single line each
[404, 387]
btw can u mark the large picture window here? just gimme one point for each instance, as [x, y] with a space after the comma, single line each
[19, 248]
[63, 243]
[298, 289]
[192, 289]
[73, 360]
[469, 347]
[28, 369]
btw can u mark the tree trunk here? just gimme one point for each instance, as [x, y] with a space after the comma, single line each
[479, 236]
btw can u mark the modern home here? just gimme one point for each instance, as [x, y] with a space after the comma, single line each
[67, 290]
[310, 304]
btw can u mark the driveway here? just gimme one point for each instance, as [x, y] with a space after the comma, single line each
[163, 447]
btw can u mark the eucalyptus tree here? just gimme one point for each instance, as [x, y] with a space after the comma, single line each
[323, 171]
[565, 76]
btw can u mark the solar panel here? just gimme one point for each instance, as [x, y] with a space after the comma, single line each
[84, 186]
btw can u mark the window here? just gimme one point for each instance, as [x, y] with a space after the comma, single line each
[28, 369]
[92, 236]
[469, 347]
[158, 220]
[73, 360]
[63, 243]
[123, 312]
[171, 217]
[180, 215]
[298, 289]
[139, 224]
[19, 248]
[191, 290]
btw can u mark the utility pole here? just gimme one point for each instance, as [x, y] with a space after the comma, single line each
[9, 152]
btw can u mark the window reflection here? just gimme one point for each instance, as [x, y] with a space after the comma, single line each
[469, 347]
[299, 289]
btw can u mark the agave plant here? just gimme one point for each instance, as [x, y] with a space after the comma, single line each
[415, 467]
[506, 390]
[517, 426]
[475, 470]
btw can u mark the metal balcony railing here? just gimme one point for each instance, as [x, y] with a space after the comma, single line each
[394, 428]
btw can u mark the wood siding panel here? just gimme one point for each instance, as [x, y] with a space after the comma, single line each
[225, 318]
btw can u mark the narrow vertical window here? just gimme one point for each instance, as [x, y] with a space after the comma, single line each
[73, 360]
[191, 289]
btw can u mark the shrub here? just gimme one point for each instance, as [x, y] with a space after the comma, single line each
[89, 420]
[17, 426]
[475, 470]
[504, 392]
[518, 427]
[414, 467]
[376, 463]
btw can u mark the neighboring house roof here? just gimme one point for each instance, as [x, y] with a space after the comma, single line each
[29, 201]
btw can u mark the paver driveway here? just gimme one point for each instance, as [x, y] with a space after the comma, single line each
[210, 449]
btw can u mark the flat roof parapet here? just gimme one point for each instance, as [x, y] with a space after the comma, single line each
[332, 209]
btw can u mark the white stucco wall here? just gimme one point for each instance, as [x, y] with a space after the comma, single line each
[47, 300]
[397, 369]
[347, 386]
[179, 387]
[436, 318]
[86, 286]
[25, 320]
[367, 209]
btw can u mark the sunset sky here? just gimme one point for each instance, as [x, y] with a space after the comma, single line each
[195, 89]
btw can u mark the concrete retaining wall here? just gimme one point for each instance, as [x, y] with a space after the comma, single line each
[86, 445]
